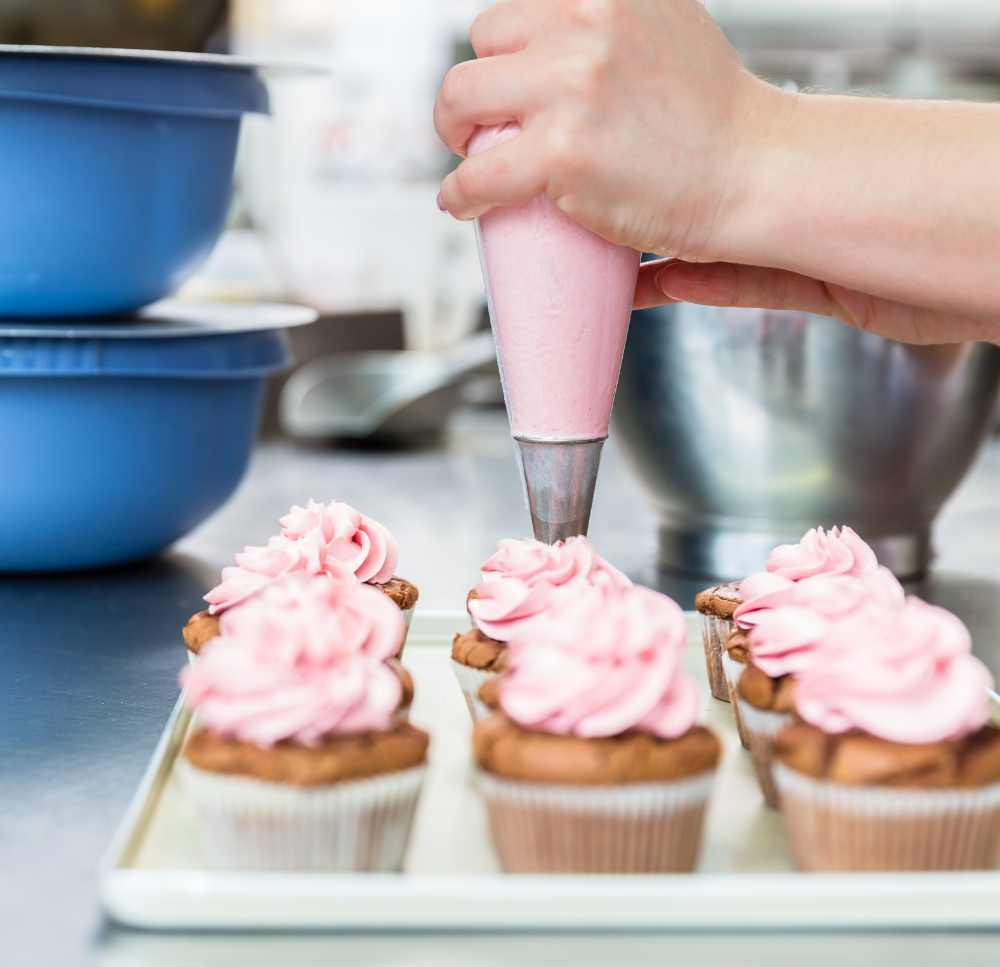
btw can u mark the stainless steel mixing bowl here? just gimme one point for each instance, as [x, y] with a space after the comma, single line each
[749, 426]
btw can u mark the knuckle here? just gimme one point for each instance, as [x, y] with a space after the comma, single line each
[596, 14]
[586, 72]
[467, 181]
[452, 88]
[479, 34]
[561, 148]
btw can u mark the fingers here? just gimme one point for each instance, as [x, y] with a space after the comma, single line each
[726, 284]
[647, 292]
[749, 286]
[487, 91]
[509, 174]
[503, 28]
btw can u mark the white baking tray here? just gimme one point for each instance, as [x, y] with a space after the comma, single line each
[154, 875]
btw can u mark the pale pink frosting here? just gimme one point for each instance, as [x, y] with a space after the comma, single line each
[601, 661]
[819, 554]
[302, 659]
[331, 539]
[795, 617]
[519, 580]
[837, 551]
[906, 675]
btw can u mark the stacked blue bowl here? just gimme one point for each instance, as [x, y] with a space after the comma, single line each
[121, 429]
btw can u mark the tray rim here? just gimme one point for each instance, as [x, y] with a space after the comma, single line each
[199, 899]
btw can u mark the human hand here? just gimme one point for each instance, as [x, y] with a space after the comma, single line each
[664, 281]
[637, 119]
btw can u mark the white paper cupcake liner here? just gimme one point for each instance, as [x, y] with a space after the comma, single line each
[358, 826]
[714, 632]
[407, 614]
[761, 728]
[732, 670]
[653, 827]
[833, 826]
[470, 680]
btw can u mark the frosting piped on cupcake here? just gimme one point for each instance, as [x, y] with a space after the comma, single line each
[520, 579]
[302, 659]
[601, 661]
[790, 621]
[906, 675]
[820, 555]
[836, 551]
[319, 539]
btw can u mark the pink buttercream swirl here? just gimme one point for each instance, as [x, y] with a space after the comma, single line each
[520, 579]
[302, 659]
[837, 551]
[819, 554]
[601, 661]
[332, 539]
[906, 675]
[793, 618]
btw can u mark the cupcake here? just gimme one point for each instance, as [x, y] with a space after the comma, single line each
[476, 658]
[735, 659]
[791, 622]
[300, 759]
[892, 765]
[593, 761]
[838, 551]
[321, 539]
[518, 583]
[715, 607]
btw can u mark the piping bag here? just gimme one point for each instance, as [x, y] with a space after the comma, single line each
[560, 298]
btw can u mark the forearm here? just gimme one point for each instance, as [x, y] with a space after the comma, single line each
[900, 199]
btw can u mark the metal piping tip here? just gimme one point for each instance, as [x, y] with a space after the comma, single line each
[559, 480]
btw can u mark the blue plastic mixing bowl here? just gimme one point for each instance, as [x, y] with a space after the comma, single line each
[114, 448]
[115, 174]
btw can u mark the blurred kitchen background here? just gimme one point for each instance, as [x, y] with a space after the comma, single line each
[335, 198]
[334, 208]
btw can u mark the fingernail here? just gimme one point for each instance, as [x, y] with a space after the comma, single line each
[440, 203]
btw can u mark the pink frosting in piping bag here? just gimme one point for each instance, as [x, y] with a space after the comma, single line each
[905, 675]
[302, 659]
[601, 661]
[521, 578]
[332, 539]
[560, 299]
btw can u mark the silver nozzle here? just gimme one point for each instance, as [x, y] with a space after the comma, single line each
[559, 479]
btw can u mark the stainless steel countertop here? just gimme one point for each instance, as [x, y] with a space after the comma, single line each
[88, 667]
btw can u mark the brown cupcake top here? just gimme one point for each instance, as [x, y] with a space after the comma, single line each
[473, 595]
[738, 646]
[766, 693]
[720, 601]
[405, 680]
[401, 591]
[859, 759]
[335, 759]
[201, 627]
[476, 650]
[503, 748]
[489, 692]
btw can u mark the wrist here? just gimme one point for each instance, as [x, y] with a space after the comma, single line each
[767, 128]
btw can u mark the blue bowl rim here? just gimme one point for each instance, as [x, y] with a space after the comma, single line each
[267, 68]
[160, 86]
[167, 319]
